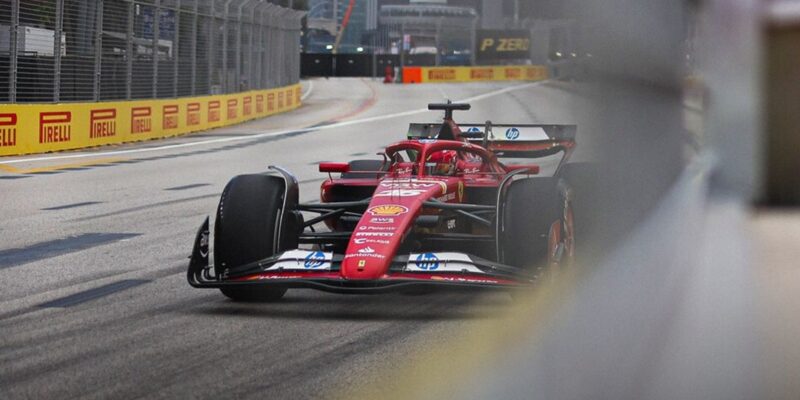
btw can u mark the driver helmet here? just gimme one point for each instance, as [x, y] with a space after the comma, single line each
[442, 163]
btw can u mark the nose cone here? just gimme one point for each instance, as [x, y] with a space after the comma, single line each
[358, 267]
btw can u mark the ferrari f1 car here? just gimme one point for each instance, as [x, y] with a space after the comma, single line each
[445, 208]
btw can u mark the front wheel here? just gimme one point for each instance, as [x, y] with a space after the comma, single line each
[537, 224]
[248, 214]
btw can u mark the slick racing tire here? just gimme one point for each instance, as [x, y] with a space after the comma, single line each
[358, 168]
[244, 231]
[536, 221]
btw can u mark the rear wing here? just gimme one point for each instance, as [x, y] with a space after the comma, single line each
[521, 141]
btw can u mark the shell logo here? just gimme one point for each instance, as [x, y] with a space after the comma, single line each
[387, 210]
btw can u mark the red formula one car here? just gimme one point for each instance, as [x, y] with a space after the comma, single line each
[447, 207]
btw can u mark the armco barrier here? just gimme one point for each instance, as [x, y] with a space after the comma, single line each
[40, 128]
[474, 74]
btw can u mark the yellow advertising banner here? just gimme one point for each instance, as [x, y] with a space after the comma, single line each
[41, 128]
[474, 74]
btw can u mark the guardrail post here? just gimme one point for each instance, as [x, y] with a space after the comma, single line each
[57, 50]
[156, 34]
[193, 54]
[14, 50]
[98, 51]
[176, 48]
[129, 56]
[225, 48]
[211, 37]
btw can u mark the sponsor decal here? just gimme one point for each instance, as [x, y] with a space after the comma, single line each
[192, 114]
[442, 74]
[388, 210]
[259, 103]
[472, 170]
[247, 105]
[460, 192]
[426, 140]
[513, 73]
[512, 133]
[451, 224]
[413, 184]
[381, 220]
[280, 99]
[55, 126]
[233, 105]
[373, 241]
[361, 264]
[427, 261]
[474, 129]
[367, 255]
[8, 130]
[376, 234]
[447, 197]
[102, 123]
[170, 114]
[314, 260]
[481, 73]
[270, 101]
[213, 111]
[375, 228]
[366, 250]
[398, 193]
[141, 119]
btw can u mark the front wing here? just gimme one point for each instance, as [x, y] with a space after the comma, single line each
[320, 270]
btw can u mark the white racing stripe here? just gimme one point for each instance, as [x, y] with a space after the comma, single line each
[269, 134]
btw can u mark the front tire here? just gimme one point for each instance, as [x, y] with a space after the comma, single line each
[247, 220]
[536, 224]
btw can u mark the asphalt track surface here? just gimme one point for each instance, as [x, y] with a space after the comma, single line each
[94, 245]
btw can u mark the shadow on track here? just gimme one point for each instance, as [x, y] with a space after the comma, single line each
[301, 304]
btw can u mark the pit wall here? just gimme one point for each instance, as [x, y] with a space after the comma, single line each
[41, 128]
[474, 74]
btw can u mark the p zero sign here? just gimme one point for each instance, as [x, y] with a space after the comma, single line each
[496, 44]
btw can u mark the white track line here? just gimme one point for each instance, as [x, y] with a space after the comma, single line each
[268, 134]
[308, 92]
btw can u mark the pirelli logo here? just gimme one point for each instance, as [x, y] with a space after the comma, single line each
[55, 127]
[280, 100]
[170, 116]
[8, 130]
[289, 98]
[247, 105]
[259, 103]
[513, 73]
[233, 105]
[213, 111]
[481, 73]
[141, 119]
[102, 123]
[442, 75]
[192, 114]
[534, 73]
[270, 101]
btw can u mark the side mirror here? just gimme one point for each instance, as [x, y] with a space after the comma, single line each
[533, 169]
[330, 167]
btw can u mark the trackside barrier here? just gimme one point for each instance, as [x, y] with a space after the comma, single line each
[41, 128]
[474, 74]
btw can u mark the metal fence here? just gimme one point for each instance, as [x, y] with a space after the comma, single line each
[92, 50]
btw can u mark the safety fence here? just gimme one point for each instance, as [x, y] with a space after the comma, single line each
[98, 50]
[39, 128]
[474, 74]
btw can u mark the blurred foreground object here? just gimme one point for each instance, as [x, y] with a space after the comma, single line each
[782, 172]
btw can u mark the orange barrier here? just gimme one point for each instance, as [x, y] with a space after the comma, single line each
[474, 74]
